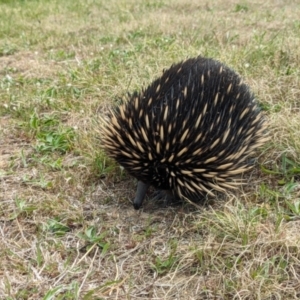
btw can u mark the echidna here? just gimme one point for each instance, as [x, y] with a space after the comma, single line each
[189, 133]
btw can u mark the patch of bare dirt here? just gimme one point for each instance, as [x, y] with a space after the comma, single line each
[29, 64]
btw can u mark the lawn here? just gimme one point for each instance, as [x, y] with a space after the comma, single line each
[67, 226]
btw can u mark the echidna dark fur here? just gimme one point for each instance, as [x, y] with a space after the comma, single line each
[190, 132]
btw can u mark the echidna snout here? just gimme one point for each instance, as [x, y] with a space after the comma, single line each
[140, 194]
[190, 132]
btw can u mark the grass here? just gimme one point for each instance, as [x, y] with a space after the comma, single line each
[67, 226]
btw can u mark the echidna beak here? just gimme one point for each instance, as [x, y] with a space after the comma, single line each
[140, 194]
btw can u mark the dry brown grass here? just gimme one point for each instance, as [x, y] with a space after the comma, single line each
[67, 226]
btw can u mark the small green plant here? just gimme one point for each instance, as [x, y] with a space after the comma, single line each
[57, 227]
[286, 171]
[51, 294]
[91, 237]
[59, 55]
[48, 161]
[55, 141]
[289, 169]
[102, 165]
[7, 49]
[293, 209]
[51, 136]
[23, 208]
[162, 266]
[241, 8]
[63, 292]
[39, 181]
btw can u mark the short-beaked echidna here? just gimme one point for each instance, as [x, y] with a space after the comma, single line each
[189, 133]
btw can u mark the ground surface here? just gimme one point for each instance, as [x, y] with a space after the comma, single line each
[67, 226]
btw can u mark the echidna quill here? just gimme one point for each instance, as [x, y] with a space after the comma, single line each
[189, 133]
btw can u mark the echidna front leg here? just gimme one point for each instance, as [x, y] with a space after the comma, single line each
[167, 196]
[140, 194]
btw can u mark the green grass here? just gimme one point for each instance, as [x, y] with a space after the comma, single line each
[67, 226]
